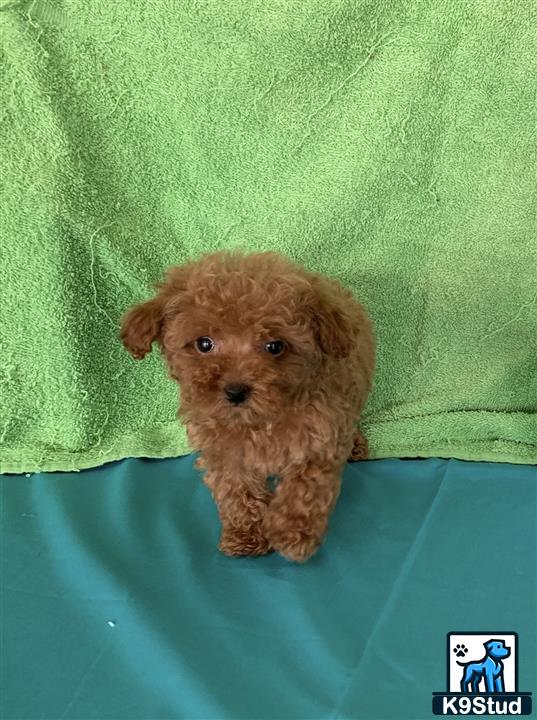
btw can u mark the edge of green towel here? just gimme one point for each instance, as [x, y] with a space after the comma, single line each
[164, 440]
[169, 440]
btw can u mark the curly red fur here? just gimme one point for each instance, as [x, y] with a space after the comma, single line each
[298, 421]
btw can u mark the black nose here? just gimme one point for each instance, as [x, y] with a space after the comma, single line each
[236, 394]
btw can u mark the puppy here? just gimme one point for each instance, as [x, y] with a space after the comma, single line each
[274, 364]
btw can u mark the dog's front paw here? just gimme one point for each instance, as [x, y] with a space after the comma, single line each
[248, 541]
[297, 546]
[294, 543]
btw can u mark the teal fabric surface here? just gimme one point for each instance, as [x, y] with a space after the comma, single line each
[117, 605]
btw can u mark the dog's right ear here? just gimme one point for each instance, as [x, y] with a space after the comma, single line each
[144, 323]
[141, 326]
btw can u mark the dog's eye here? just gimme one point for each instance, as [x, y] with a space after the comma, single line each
[204, 344]
[274, 347]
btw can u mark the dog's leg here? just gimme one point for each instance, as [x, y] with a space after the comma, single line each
[360, 448]
[241, 506]
[489, 680]
[467, 680]
[498, 684]
[297, 517]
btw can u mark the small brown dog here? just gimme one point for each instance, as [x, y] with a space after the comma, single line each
[275, 364]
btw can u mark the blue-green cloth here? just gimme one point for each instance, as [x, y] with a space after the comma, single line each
[117, 605]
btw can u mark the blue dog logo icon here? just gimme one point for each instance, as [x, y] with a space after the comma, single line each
[490, 668]
[488, 686]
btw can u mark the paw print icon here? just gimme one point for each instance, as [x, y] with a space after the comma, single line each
[460, 650]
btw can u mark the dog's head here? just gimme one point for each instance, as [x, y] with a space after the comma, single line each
[242, 334]
[497, 649]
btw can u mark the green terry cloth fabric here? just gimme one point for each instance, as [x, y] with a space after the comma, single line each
[389, 144]
[118, 606]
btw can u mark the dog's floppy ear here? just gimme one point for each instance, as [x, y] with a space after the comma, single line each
[332, 322]
[141, 326]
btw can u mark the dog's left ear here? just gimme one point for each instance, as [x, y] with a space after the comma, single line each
[332, 322]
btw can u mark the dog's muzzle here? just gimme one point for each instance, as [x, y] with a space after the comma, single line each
[236, 394]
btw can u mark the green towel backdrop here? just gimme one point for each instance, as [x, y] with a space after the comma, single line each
[389, 144]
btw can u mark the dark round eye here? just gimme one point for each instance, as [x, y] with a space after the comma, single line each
[204, 344]
[274, 347]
